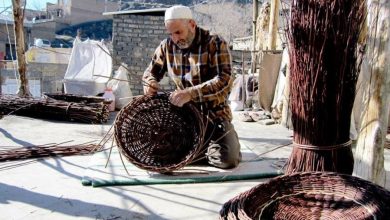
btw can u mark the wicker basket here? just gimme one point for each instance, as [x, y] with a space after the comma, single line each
[157, 136]
[312, 195]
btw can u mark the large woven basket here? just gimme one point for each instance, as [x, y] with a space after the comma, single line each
[157, 136]
[312, 195]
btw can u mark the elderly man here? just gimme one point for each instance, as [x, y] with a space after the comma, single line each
[199, 64]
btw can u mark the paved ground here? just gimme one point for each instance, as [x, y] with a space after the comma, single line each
[51, 188]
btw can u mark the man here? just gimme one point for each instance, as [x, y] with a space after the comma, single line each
[200, 66]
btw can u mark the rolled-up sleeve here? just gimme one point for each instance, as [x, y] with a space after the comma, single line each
[216, 89]
[157, 66]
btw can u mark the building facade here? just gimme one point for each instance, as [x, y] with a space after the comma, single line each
[75, 12]
[7, 37]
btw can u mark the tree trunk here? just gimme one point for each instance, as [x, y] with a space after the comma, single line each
[18, 12]
[369, 155]
[273, 25]
[262, 26]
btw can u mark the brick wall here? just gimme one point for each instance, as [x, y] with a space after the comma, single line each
[135, 38]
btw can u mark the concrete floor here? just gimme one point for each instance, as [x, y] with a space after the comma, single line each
[51, 188]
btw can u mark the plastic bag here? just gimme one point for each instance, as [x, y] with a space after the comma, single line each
[120, 87]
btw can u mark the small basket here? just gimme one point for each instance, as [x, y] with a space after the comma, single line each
[157, 136]
[311, 195]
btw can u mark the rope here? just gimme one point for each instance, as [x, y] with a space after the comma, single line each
[329, 147]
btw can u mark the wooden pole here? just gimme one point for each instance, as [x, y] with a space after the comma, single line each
[253, 50]
[18, 12]
[243, 92]
[254, 21]
[369, 156]
[286, 110]
[273, 25]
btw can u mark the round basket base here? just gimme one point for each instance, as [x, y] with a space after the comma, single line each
[157, 136]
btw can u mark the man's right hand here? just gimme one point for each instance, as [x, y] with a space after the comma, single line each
[151, 87]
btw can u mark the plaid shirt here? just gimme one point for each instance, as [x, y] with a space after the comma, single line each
[204, 69]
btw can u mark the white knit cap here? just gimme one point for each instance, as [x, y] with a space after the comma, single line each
[178, 12]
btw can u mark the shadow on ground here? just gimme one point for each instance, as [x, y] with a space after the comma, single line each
[72, 207]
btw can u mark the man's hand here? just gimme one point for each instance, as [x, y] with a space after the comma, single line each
[151, 88]
[180, 97]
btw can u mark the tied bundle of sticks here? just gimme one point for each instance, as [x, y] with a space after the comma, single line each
[324, 63]
[49, 150]
[76, 98]
[93, 112]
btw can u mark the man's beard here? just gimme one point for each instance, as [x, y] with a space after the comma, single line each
[186, 43]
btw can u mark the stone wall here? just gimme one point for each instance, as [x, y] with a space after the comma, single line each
[135, 38]
[50, 75]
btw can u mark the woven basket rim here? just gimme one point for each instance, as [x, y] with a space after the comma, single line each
[367, 189]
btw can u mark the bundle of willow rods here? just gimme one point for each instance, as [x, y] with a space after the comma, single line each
[30, 152]
[76, 98]
[323, 40]
[54, 109]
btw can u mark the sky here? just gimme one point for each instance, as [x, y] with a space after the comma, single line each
[31, 4]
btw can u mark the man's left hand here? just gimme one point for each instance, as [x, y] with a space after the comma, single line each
[180, 97]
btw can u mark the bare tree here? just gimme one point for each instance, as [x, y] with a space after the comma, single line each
[18, 12]
[369, 155]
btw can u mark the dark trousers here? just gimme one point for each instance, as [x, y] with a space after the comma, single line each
[222, 147]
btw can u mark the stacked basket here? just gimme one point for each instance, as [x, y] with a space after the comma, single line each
[311, 195]
[157, 136]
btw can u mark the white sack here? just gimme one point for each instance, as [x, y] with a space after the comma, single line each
[120, 87]
[89, 61]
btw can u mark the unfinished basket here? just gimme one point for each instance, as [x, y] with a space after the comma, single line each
[311, 195]
[157, 136]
